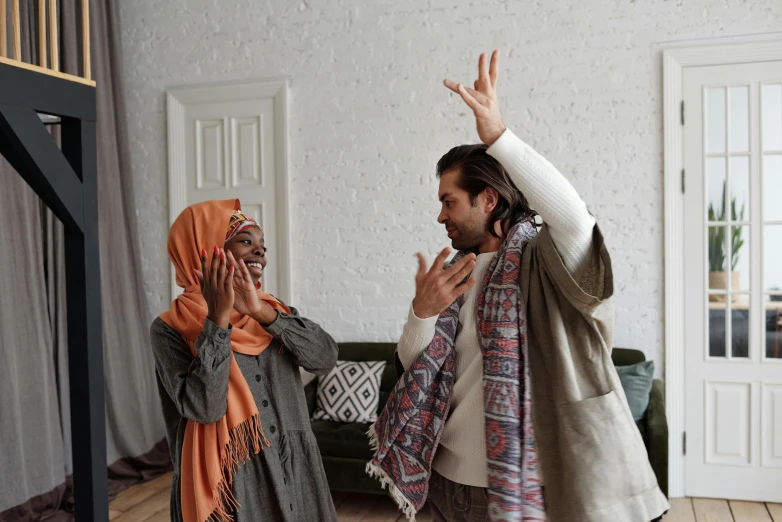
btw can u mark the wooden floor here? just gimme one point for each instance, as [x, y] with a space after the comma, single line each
[712, 510]
[149, 503]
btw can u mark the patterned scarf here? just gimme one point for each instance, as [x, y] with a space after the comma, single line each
[239, 221]
[408, 431]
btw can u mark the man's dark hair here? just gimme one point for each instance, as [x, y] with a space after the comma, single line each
[478, 170]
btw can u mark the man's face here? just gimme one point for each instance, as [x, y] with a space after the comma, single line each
[466, 223]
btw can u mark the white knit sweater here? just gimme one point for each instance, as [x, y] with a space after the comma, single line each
[461, 456]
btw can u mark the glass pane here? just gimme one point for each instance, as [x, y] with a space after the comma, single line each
[717, 261]
[739, 262]
[739, 119]
[773, 321]
[739, 187]
[772, 188]
[740, 302]
[715, 120]
[739, 330]
[716, 329]
[715, 174]
[771, 113]
[772, 258]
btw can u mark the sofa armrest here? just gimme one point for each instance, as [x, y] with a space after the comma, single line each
[309, 395]
[657, 434]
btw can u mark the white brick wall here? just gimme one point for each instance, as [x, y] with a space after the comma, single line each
[370, 118]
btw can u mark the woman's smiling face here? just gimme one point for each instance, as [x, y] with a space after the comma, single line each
[249, 245]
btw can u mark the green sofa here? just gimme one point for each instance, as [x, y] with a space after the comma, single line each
[345, 447]
[654, 424]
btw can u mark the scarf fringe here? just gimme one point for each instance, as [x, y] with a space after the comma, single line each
[407, 507]
[246, 439]
[374, 444]
[374, 471]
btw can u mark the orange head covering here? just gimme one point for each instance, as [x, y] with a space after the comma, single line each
[211, 453]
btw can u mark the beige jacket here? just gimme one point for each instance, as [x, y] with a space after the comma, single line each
[591, 454]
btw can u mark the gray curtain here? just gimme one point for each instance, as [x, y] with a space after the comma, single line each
[134, 418]
[35, 412]
[30, 429]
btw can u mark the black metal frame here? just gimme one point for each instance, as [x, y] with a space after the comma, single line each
[66, 181]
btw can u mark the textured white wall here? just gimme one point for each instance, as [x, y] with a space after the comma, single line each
[369, 118]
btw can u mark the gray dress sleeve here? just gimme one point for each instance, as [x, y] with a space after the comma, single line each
[198, 386]
[312, 348]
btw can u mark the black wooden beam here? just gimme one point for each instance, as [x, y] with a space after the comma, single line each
[85, 333]
[45, 93]
[31, 150]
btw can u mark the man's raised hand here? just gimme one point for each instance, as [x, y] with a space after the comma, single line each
[482, 99]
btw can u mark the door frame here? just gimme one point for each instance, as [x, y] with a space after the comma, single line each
[674, 60]
[275, 88]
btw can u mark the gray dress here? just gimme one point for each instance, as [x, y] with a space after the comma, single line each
[284, 482]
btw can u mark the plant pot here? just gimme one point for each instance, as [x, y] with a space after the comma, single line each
[718, 281]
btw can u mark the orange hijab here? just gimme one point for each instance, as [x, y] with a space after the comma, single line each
[211, 453]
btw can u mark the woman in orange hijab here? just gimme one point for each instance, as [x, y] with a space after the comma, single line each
[227, 357]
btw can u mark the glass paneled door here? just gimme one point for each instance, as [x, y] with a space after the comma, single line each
[733, 281]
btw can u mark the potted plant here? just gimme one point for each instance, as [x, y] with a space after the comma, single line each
[717, 275]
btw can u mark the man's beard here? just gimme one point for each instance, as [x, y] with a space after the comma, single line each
[470, 235]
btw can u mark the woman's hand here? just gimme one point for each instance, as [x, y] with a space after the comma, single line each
[246, 298]
[216, 281]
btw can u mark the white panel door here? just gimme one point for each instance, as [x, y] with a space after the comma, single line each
[230, 141]
[733, 284]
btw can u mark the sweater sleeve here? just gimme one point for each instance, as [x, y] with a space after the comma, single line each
[198, 386]
[416, 336]
[551, 196]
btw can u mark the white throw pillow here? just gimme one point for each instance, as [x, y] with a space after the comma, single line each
[350, 392]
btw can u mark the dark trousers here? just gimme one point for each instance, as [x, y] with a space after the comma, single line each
[452, 502]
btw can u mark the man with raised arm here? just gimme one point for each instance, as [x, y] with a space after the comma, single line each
[510, 408]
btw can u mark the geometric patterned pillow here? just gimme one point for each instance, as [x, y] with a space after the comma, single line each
[350, 392]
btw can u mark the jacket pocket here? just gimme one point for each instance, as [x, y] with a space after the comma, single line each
[603, 457]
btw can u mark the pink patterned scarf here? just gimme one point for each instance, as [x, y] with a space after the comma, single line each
[408, 431]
